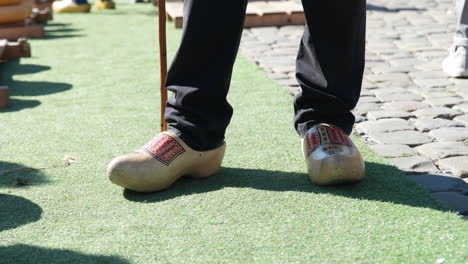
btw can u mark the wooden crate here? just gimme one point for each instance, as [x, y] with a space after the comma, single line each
[259, 14]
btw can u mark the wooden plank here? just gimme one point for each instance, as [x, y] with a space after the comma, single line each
[258, 14]
[175, 13]
[3, 44]
[4, 96]
[21, 30]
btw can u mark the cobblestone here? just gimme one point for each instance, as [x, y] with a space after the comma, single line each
[437, 112]
[455, 165]
[384, 126]
[415, 164]
[406, 43]
[425, 125]
[445, 101]
[381, 114]
[450, 134]
[407, 106]
[410, 138]
[393, 151]
[462, 119]
[442, 150]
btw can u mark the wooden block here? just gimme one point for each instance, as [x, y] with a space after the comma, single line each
[175, 13]
[3, 44]
[21, 30]
[41, 15]
[4, 96]
[15, 49]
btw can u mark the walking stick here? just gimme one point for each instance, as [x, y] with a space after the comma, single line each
[162, 59]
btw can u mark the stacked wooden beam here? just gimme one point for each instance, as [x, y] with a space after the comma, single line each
[10, 50]
[259, 13]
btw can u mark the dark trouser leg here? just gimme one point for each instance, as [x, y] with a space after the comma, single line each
[330, 63]
[200, 73]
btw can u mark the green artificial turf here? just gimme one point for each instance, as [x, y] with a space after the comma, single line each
[90, 93]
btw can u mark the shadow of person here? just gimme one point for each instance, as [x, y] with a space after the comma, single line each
[18, 175]
[21, 253]
[383, 183]
[16, 211]
[371, 7]
[19, 104]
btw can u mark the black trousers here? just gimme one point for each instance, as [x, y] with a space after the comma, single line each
[329, 68]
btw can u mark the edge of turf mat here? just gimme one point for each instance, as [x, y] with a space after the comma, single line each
[260, 208]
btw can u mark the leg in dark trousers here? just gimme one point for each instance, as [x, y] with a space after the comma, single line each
[329, 68]
[330, 64]
[200, 74]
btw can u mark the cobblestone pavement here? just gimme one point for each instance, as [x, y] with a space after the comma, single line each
[410, 111]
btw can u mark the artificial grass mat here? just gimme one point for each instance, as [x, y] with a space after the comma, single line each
[90, 92]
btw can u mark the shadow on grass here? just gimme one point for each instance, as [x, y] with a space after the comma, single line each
[19, 176]
[60, 30]
[21, 253]
[382, 183]
[24, 88]
[16, 211]
[18, 105]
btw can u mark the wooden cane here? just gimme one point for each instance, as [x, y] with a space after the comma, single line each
[162, 59]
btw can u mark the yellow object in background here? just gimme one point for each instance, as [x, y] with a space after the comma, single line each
[103, 4]
[68, 6]
[15, 13]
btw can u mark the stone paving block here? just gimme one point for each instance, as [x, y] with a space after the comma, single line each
[278, 76]
[393, 150]
[288, 82]
[427, 74]
[437, 112]
[445, 101]
[364, 108]
[432, 82]
[458, 166]
[406, 106]
[399, 97]
[382, 114]
[384, 126]
[450, 134]
[429, 66]
[410, 138]
[276, 61]
[366, 92]
[442, 150]
[440, 183]
[461, 107]
[437, 93]
[283, 69]
[415, 165]
[391, 69]
[359, 119]
[426, 125]
[453, 200]
[369, 99]
[382, 92]
[388, 77]
[462, 119]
